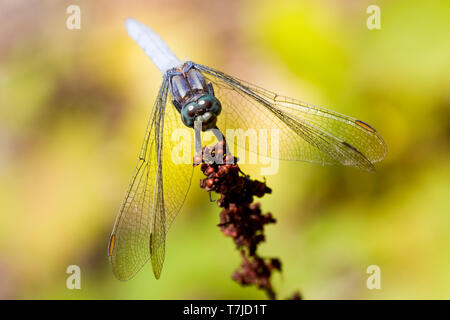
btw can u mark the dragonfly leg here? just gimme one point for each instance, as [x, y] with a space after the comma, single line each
[219, 135]
[221, 138]
[210, 197]
[198, 136]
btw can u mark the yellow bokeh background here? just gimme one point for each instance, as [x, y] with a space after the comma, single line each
[74, 106]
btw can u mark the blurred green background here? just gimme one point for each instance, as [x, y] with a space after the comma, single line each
[73, 110]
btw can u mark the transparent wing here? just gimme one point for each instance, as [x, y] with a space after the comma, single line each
[155, 195]
[306, 132]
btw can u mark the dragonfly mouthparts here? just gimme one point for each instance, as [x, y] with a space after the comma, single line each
[208, 120]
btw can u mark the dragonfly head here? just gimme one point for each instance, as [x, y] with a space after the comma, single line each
[206, 109]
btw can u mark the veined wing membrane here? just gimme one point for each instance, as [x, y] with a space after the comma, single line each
[155, 195]
[306, 132]
[354, 132]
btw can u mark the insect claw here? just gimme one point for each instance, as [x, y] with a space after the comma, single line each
[210, 197]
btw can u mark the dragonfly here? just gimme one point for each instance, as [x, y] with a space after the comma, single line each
[190, 94]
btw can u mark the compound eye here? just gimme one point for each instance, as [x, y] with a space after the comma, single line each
[206, 103]
[191, 111]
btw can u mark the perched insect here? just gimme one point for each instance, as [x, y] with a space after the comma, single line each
[199, 94]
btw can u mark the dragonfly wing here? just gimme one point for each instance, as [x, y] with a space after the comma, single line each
[153, 197]
[173, 183]
[306, 132]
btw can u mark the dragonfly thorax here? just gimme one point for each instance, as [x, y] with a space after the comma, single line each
[192, 97]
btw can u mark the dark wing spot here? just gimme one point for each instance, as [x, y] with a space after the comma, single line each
[365, 125]
[111, 245]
